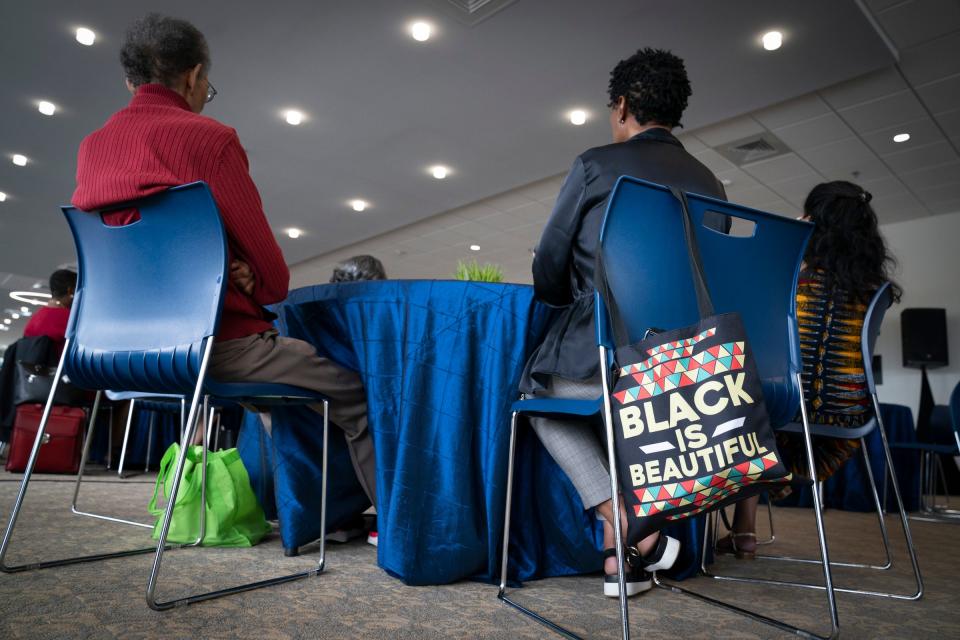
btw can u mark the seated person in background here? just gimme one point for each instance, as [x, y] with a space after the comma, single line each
[359, 268]
[648, 93]
[51, 320]
[845, 263]
[160, 140]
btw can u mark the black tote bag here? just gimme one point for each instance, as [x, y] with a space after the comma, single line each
[691, 429]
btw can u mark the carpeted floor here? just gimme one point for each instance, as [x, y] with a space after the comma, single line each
[355, 599]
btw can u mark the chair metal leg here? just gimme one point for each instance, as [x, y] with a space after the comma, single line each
[18, 503]
[110, 442]
[191, 422]
[904, 521]
[615, 495]
[934, 512]
[883, 529]
[505, 545]
[126, 437]
[879, 507]
[615, 498]
[153, 422]
[183, 420]
[216, 432]
[773, 535]
[91, 431]
[825, 563]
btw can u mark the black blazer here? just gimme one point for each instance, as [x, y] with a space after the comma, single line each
[563, 265]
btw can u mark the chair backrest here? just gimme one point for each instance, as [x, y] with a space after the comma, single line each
[881, 301]
[148, 293]
[648, 271]
[955, 411]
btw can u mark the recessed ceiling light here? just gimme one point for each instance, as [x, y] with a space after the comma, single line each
[24, 310]
[7, 321]
[439, 171]
[3, 196]
[15, 316]
[294, 233]
[86, 36]
[421, 31]
[901, 137]
[772, 40]
[578, 117]
[46, 108]
[474, 247]
[359, 205]
[19, 160]
[36, 298]
[294, 117]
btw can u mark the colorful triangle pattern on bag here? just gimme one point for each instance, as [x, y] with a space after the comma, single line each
[703, 491]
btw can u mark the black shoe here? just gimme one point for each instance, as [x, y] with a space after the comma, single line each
[636, 578]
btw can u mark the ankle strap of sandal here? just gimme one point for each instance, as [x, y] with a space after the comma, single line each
[630, 555]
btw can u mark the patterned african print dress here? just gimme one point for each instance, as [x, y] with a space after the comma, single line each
[834, 384]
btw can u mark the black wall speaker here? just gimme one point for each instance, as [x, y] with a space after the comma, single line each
[924, 335]
[877, 366]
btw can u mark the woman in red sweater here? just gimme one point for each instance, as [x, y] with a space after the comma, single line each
[51, 320]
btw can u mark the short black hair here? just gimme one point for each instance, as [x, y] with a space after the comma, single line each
[359, 268]
[655, 85]
[61, 281]
[158, 48]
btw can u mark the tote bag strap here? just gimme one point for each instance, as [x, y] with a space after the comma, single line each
[704, 301]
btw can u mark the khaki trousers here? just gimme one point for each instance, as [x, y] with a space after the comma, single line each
[268, 357]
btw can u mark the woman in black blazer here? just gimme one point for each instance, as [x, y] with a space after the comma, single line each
[648, 93]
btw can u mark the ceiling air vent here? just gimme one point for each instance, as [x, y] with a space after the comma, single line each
[752, 149]
[472, 12]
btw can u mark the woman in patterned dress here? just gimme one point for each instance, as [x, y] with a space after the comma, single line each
[845, 263]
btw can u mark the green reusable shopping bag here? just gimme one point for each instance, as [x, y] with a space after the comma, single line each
[234, 518]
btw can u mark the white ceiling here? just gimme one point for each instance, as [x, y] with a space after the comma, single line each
[488, 100]
[842, 131]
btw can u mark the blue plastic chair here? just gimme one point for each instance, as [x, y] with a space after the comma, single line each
[648, 271]
[144, 317]
[943, 439]
[873, 319]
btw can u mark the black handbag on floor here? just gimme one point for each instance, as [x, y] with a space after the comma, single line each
[37, 360]
[691, 429]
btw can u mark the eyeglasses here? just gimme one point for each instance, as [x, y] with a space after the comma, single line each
[211, 92]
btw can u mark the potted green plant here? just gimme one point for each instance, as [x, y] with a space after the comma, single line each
[479, 273]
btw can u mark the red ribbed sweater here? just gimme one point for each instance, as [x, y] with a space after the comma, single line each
[157, 142]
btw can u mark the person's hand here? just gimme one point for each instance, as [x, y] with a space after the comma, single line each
[242, 276]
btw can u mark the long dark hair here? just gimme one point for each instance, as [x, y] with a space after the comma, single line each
[846, 242]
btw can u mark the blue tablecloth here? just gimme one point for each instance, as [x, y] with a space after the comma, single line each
[849, 487]
[441, 362]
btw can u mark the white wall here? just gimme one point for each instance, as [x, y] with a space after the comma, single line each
[929, 253]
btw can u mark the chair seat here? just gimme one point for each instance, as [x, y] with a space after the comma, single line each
[946, 449]
[262, 393]
[119, 396]
[832, 431]
[558, 406]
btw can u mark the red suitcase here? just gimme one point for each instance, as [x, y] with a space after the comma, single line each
[62, 442]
